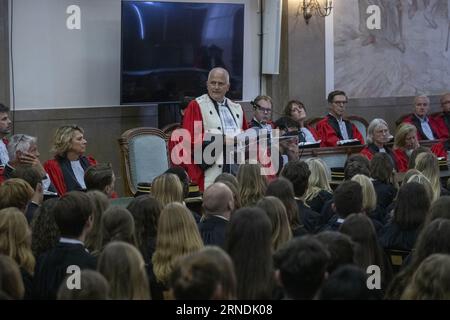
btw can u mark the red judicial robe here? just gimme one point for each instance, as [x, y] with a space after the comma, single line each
[401, 159]
[330, 134]
[61, 174]
[438, 128]
[193, 113]
[440, 149]
[370, 150]
[442, 120]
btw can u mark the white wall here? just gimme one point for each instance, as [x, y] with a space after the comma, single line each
[54, 67]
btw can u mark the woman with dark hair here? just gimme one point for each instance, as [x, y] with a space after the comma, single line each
[282, 189]
[45, 232]
[249, 246]
[145, 211]
[367, 250]
[410, 212]
[66, 170]
[297, 111]
[382, 174]
[434, 238]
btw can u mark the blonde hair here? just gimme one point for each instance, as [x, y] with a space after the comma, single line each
[15, 192]
[177, 235]
[402, 132]
[252, 184]
[319, 178]
[15, 238]
[124, 268]
[167, 188]
[62, 139]
[369, 194]
[428, 165]
[11, 282]
[431, 281]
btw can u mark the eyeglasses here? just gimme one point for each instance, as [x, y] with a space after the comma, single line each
[265, 110]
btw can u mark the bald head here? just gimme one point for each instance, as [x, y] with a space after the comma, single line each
[218, 200]
[218, 84]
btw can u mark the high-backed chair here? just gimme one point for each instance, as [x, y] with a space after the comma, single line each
[360, 123]
[313, 121]
[402, 118]
[168, 129]
[144, 156]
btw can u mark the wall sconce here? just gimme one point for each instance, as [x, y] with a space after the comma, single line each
[321, 7]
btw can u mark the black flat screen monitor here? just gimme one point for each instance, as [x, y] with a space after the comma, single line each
[168, 49]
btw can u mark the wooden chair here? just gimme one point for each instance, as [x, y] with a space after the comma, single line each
[400, 120]
[144, 156]
[168, 129]
[360, 123]
[313, 121]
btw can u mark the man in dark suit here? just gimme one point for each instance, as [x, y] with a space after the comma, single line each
[218, 203]
[73, 215]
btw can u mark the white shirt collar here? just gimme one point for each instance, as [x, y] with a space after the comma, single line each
[71, 241]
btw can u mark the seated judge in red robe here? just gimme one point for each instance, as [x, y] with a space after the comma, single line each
[334, 127]
[378, 136]
[405, 143]
[441, 149]
[427, 128]
[443, 118]
[217, 116]
[67, 169]
[297, 111]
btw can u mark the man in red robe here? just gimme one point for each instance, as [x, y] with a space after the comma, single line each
[334, 128]
[208, 117]
[427, 128]
[443, 118]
